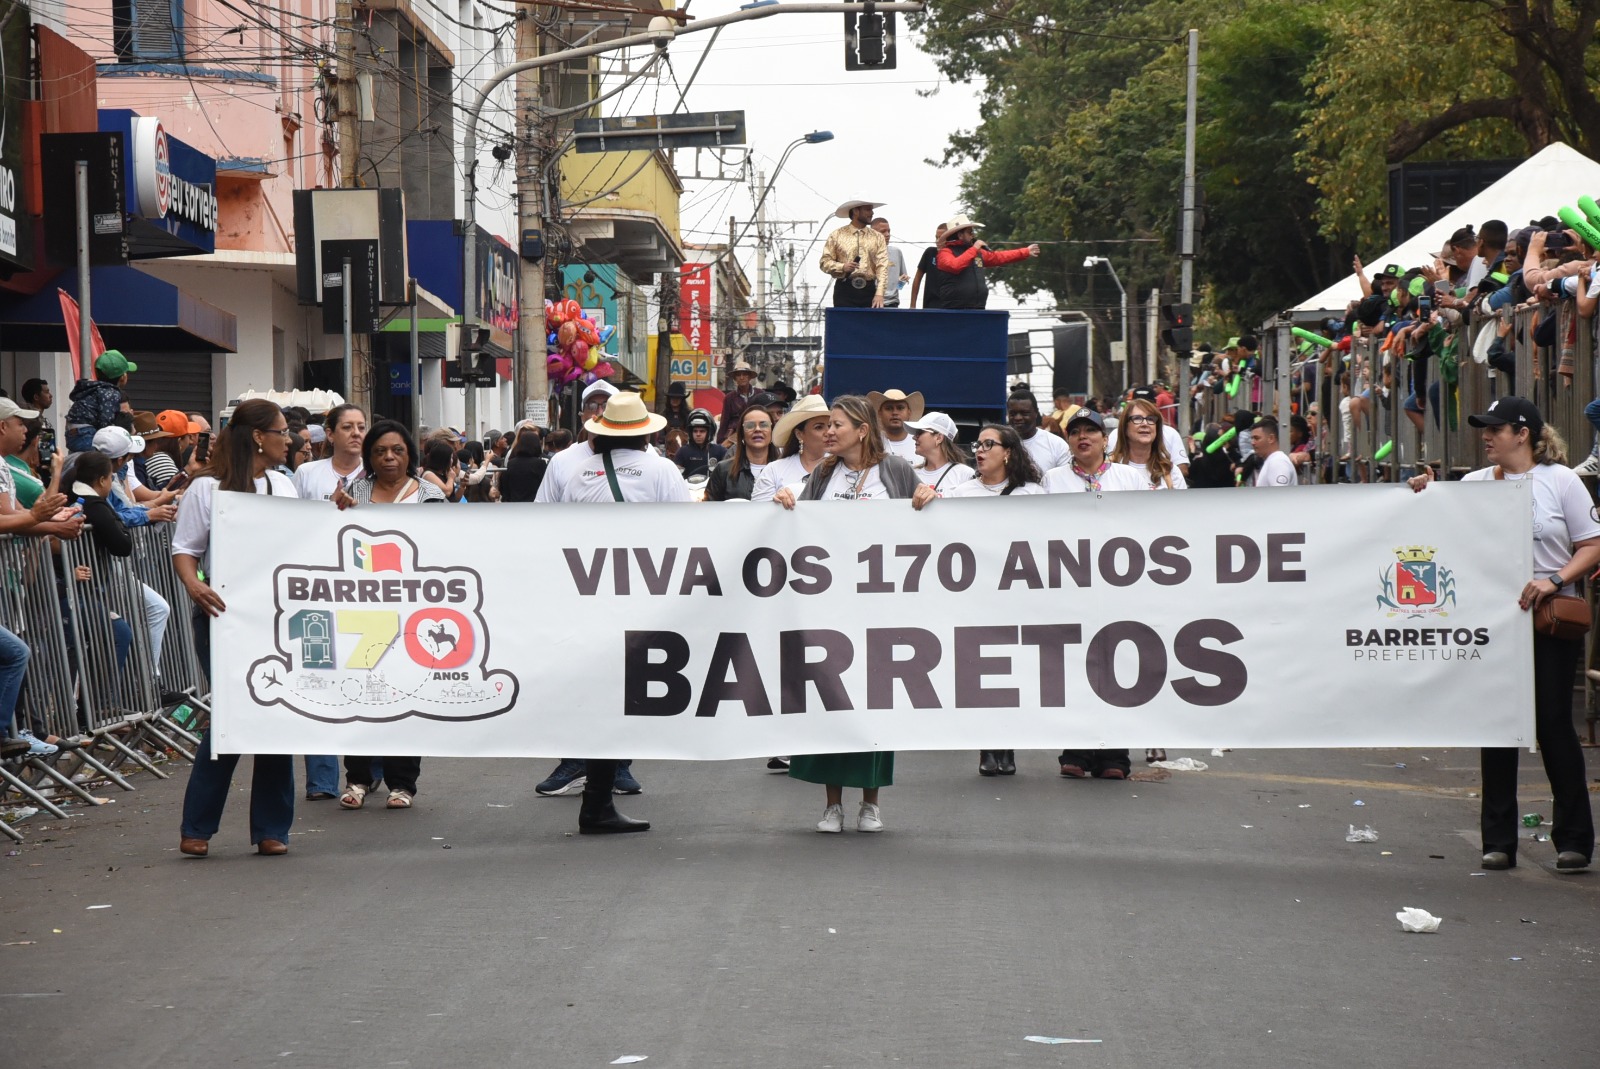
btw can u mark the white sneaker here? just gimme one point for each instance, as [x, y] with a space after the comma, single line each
[868, 819]
[832, 820]
[1589, 466]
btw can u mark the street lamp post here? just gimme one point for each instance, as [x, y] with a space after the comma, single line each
[660, 34]
[1091, 261]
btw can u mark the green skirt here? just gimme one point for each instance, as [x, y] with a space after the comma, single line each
[872, 769]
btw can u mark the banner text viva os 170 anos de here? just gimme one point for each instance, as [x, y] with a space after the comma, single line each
[1351, 617]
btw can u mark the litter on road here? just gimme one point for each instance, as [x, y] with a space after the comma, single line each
[1368, 834]
[1182, 764]
[1057, 1039]
[1413, 919]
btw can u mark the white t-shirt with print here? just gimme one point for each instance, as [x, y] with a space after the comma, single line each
[1178, 481]
[946, 477]
[1169, 438]
[979, 488]
[8, 485]
[562, 467]
[641, 476]
[905, 447]
[1047, 450]
[316, 481]
[785, 471]
[847, 485]
[1276, 470]
[191, 531]
[1563, 513]
[1064, 480]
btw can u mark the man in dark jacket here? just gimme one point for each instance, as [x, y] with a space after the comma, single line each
[96, 401]
[701, 452]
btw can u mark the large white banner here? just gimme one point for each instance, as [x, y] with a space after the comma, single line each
[1344, 616]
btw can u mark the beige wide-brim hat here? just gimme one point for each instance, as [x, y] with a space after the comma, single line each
[809, 407]
[625, 417]
[876, 400]
[843, 210]
[961, 222]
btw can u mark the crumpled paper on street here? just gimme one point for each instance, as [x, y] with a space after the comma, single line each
[1413, 919]
[1368, 834]
[1182, 764]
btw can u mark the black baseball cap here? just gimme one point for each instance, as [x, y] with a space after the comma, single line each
[1087, 415]
[1517, 411]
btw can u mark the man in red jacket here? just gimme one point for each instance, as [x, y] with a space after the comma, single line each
[963, 260]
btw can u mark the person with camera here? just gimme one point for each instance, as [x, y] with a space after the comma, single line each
[963, 260]
[857, 257]
[1566, 547]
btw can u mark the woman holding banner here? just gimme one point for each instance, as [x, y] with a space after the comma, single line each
[856, 469]
[1005, 467]
[1566, 548]
[944, 463]
[800, 433]
[734, 477]
[243, 457]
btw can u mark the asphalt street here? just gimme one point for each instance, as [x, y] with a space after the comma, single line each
[1215, 918]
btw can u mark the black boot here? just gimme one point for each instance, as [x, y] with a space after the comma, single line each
[599, 815]
[987, 766]
[1008, 762]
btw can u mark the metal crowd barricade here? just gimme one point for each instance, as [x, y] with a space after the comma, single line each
[181, 670]
[115, 697]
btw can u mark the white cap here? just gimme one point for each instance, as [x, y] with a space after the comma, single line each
[599, 386]
[115, 442]
[9, 408]
[935, 421]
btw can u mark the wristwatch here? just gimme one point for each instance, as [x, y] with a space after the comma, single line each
[1558, 581]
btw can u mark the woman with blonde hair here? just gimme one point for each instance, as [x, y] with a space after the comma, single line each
[943, 464]
[1141, 445]
[857, 468]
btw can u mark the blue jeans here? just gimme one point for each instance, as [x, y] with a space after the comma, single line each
[80, 441]
[322, 774]
[13, 666]
[210, 781]
[271, 785]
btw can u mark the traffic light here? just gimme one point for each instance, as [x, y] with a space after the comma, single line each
[1177, 327]
[869, 40]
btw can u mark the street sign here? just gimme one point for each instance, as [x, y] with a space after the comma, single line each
[630, 133]
[108, 238]
[363, 257]
[784, 345]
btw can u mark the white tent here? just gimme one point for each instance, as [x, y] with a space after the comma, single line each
[1555, 176]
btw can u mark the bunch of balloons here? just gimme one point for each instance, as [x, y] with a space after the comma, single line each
[575, 342]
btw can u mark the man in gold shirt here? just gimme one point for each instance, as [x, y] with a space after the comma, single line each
[857, 257]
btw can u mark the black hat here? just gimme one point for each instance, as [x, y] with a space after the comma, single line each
[1145, 393]
[1517, 411]
[678, 389]
[1087, 415]
[766, 399]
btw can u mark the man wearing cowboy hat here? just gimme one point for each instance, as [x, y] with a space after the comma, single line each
[735, 400]
[895, 407]
[857, 257]
[621, 469]
[963, 260]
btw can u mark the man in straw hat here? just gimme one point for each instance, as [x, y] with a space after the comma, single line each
[963, 260]
[621, 469]
[895, 407]
[736, 399]
[857, 257]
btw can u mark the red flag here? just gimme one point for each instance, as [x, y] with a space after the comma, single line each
[69, 316]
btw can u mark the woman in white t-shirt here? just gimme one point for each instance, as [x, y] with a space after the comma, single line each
[733, 478]
[801, 433]
[1005, 468]
[857, 469]
[943, 464]
[255, 441]
[1566, 547]
[390, 457]
[1140, 444]
[1089, 470]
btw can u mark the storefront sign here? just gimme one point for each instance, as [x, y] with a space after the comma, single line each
[16, 230]
[694, 306]
[171, 189]
[1298, 618]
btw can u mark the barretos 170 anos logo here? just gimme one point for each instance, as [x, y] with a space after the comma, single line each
[376, 637]
[1417, 585]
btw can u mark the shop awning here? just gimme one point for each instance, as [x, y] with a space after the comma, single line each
[134, 311]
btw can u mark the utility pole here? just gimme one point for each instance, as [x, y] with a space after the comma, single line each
[532, 377]
[761, 251]
[358, 366]
[1186, 267]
